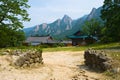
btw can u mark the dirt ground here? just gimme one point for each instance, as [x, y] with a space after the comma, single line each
[63, 65]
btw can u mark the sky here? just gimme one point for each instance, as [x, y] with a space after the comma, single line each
[47, 11]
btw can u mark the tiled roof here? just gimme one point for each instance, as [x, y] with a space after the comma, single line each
[38, 39]
[78, 36]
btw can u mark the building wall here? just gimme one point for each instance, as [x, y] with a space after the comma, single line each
[76, 42]
[81, 41]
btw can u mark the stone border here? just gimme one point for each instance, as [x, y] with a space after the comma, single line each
[97, 60]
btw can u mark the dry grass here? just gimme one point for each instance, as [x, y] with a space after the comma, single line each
[115, 55]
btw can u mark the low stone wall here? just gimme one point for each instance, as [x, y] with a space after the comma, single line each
[97, 60]
[27, 58]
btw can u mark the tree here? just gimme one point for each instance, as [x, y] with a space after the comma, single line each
[92, 27]
[111, 17]
[12, 15]
[9, 37]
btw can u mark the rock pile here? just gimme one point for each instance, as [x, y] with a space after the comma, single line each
[28, 58]
[97, 60]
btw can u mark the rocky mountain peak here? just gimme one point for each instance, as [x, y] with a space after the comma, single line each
[66, 19]
[92, 13]
[61, 28]
[65, 16]
[93, 9]
[58, 22]
[36, 28]
[44, 25]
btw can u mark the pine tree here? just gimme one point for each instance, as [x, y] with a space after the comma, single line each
[111, 17]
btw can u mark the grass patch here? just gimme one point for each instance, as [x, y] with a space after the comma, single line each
[71, 48]
[106, 46]
[80, 48]
[114, 55]
[111, 76]
[64, 49]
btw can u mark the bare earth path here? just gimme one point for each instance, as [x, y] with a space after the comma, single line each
[63, 65]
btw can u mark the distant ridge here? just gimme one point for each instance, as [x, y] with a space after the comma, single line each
[61, 28]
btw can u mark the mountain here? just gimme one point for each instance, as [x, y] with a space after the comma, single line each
[95, 13]
[61, 28]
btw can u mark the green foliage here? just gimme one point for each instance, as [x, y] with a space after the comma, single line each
[39, 50]
[111, 17]
[44, 46]
[92, 27]
[58, 45]
[12, 14]
[9, 37]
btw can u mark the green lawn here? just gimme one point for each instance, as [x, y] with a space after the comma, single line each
[70, 48]
[64, 49]
[80, 48]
